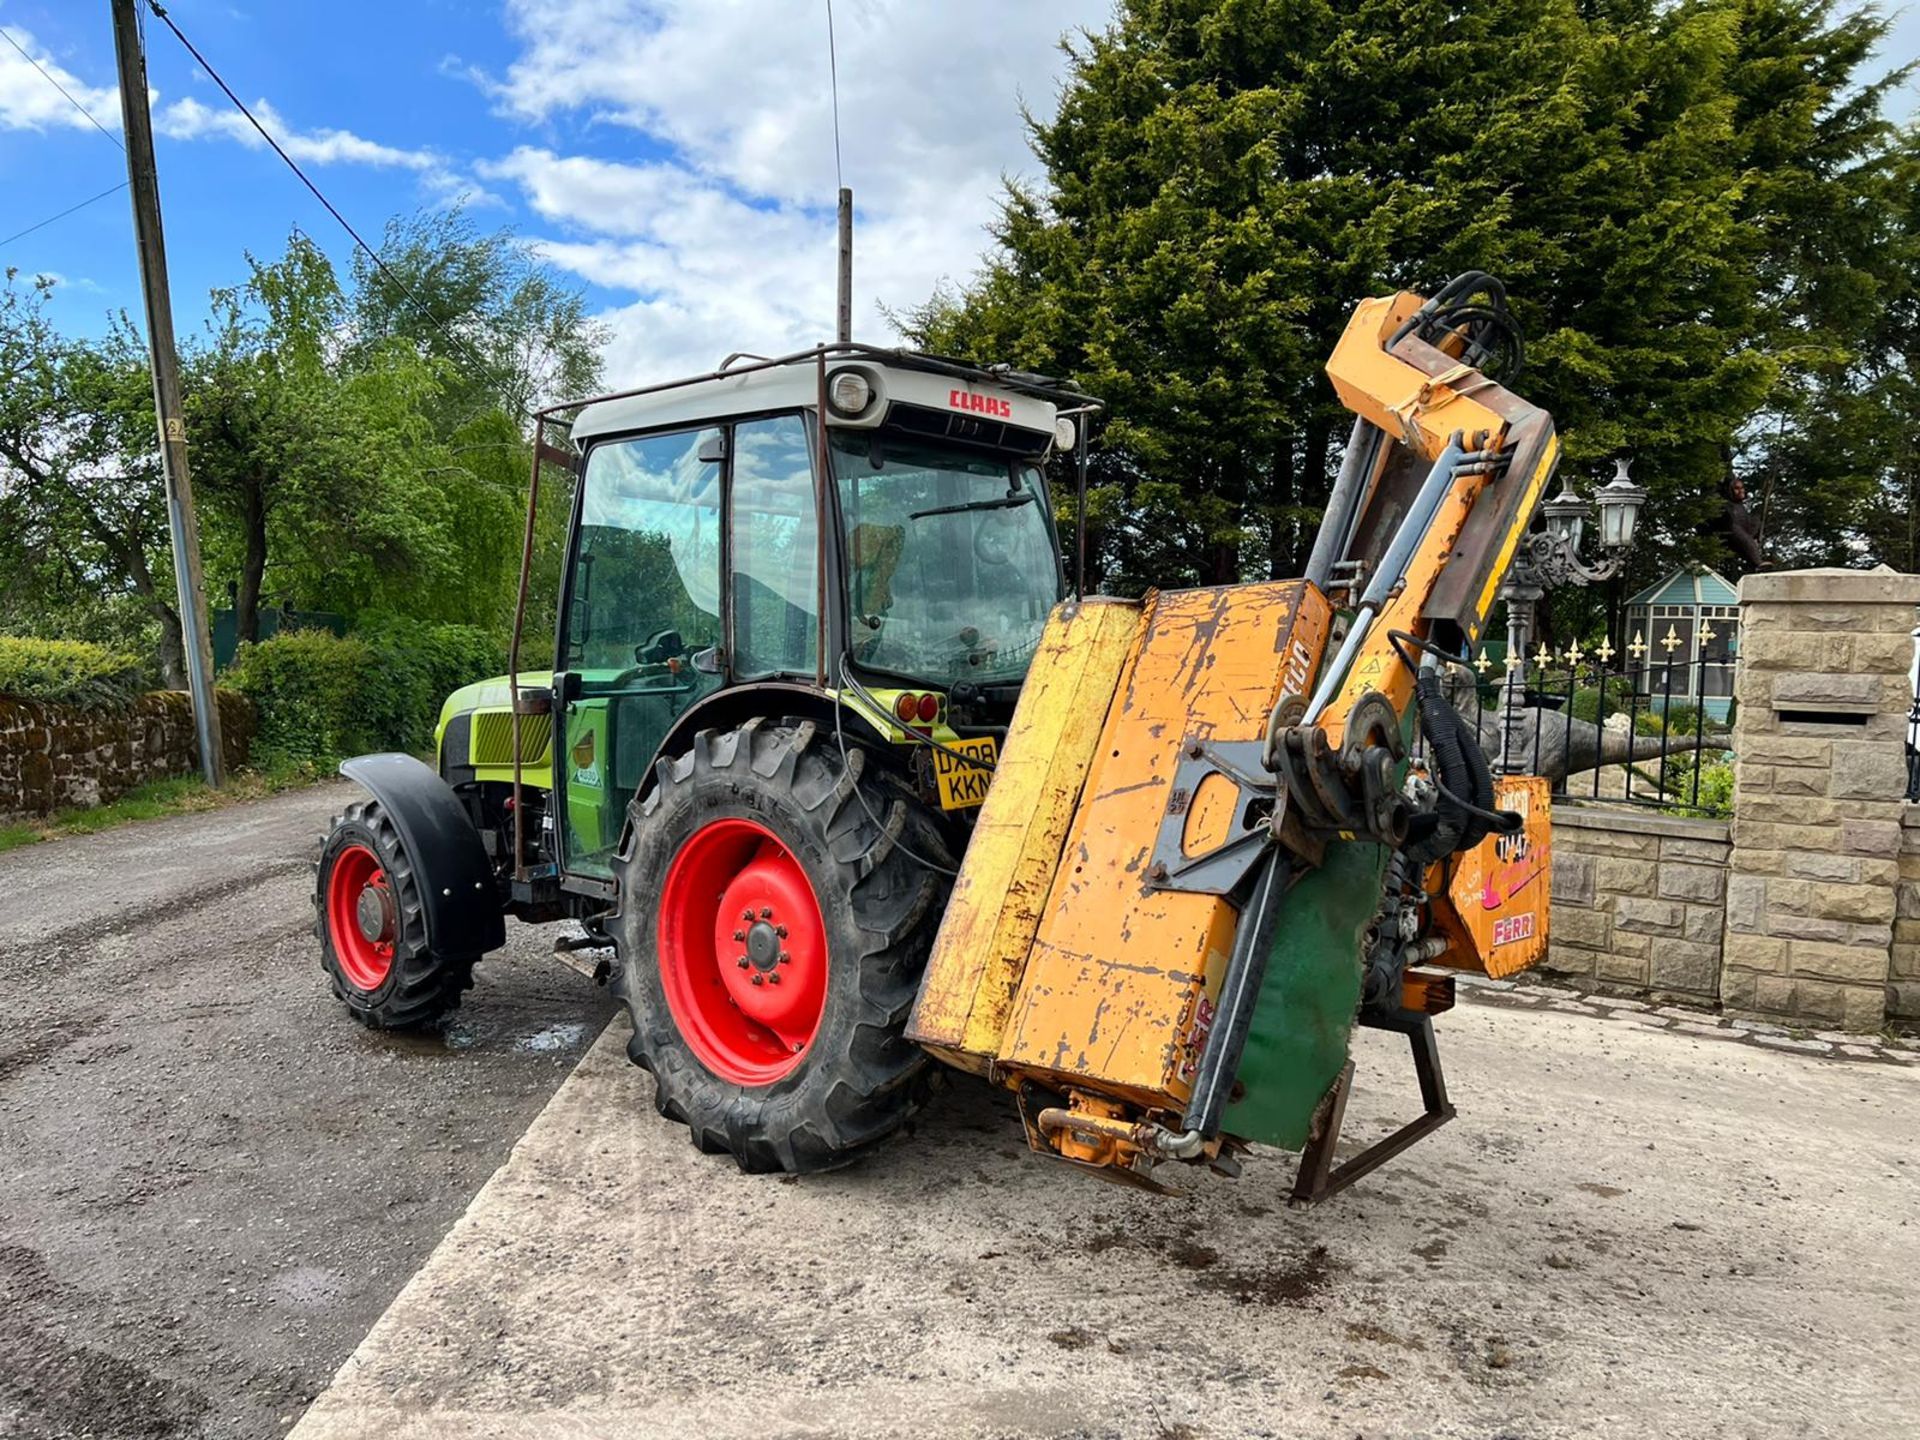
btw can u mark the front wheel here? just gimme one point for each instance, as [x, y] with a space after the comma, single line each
[772, 929]
[371, 924]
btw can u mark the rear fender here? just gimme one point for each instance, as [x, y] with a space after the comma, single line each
[464, 915]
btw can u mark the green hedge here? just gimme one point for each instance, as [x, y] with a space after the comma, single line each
[321, 697]
[67, 672]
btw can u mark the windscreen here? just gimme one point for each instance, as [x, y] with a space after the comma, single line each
[951, 565]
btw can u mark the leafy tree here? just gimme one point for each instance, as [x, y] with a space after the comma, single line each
[511, 335]
[83, 526]
[1688, 203]
[359, 448]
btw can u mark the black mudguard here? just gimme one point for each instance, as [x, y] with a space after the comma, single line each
[463, 907]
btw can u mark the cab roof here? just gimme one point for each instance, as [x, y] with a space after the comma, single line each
[928, 394]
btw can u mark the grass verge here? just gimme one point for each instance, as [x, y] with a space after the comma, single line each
[183, 795]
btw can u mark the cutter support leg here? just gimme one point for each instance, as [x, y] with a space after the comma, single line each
[1318, 1177]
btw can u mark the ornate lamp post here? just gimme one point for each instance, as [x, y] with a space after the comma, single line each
[1550, 557]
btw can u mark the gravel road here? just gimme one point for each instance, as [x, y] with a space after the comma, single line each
[211, 1181]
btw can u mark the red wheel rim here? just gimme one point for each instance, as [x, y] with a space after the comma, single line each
[360, 917]
[743, 952]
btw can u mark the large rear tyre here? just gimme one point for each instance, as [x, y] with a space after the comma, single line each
[771, 939]
[371, 924]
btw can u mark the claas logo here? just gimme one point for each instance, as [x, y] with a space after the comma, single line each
[980, 404]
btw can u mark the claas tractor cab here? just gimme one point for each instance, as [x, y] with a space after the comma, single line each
[799, 600]
[854, 790]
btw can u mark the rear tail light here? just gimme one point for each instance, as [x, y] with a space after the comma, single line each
[906, 706]
[929, 707]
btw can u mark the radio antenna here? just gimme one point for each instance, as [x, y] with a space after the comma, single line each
[843, 310]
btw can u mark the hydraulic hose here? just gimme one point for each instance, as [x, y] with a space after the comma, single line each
[1461, 772]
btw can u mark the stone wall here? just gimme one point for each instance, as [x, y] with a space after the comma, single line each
[56, 756]
[1819, 779]
[1638, 902]
[1903, 971]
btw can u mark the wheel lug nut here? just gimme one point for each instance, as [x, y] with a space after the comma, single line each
[785, 958]
[773, 979]
[759, 979]
[741, 962]
[746, 915]
[766, 912]
[739, 934]
[781, 931]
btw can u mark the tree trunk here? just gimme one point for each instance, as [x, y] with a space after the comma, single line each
[253, 566]
[1315, 487]
[1279, 525]
[171, 651]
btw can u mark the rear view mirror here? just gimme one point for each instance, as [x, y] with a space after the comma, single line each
[664, 646]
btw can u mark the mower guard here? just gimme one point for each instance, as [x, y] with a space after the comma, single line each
[456, 881]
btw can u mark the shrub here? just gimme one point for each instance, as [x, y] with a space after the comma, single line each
[67, 672]
[321, 697]
[308, 688]
[419, 665]
[1586, 700]
[1715, 796]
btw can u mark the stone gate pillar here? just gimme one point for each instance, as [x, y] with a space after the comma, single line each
[1823, 691]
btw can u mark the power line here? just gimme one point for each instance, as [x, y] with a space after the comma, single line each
[371, 254]
[833, 76]
[22, 234]
[47, 75]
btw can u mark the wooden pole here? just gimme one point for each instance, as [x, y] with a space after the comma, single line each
[184, 529]
[843, 327]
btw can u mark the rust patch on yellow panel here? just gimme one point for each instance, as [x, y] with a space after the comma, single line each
[1119, 989]
[990, 921]
[1492, 902]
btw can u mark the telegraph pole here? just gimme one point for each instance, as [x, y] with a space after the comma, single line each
[843, 317]
[144, 182]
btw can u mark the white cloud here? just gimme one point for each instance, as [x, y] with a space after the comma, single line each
[28, 102]
[188, 119]
[723, 230]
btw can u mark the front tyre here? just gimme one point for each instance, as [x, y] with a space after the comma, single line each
[371, 924]
[772, 937]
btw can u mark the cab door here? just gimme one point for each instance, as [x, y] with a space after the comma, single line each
[641, 637]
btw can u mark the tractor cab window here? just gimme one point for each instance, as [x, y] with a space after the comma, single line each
[776, 550]
[951, 566]
[648, 561]
[643, 604]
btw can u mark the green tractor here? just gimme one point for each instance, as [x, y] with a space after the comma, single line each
[799, 600]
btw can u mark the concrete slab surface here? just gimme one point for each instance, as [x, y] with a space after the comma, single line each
[1627, 1232]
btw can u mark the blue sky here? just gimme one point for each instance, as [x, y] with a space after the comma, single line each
[674, 156]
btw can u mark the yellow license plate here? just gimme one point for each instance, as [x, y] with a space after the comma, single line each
[963, 786]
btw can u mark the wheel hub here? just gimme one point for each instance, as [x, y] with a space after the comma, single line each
[374, 911]
[763, 946]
